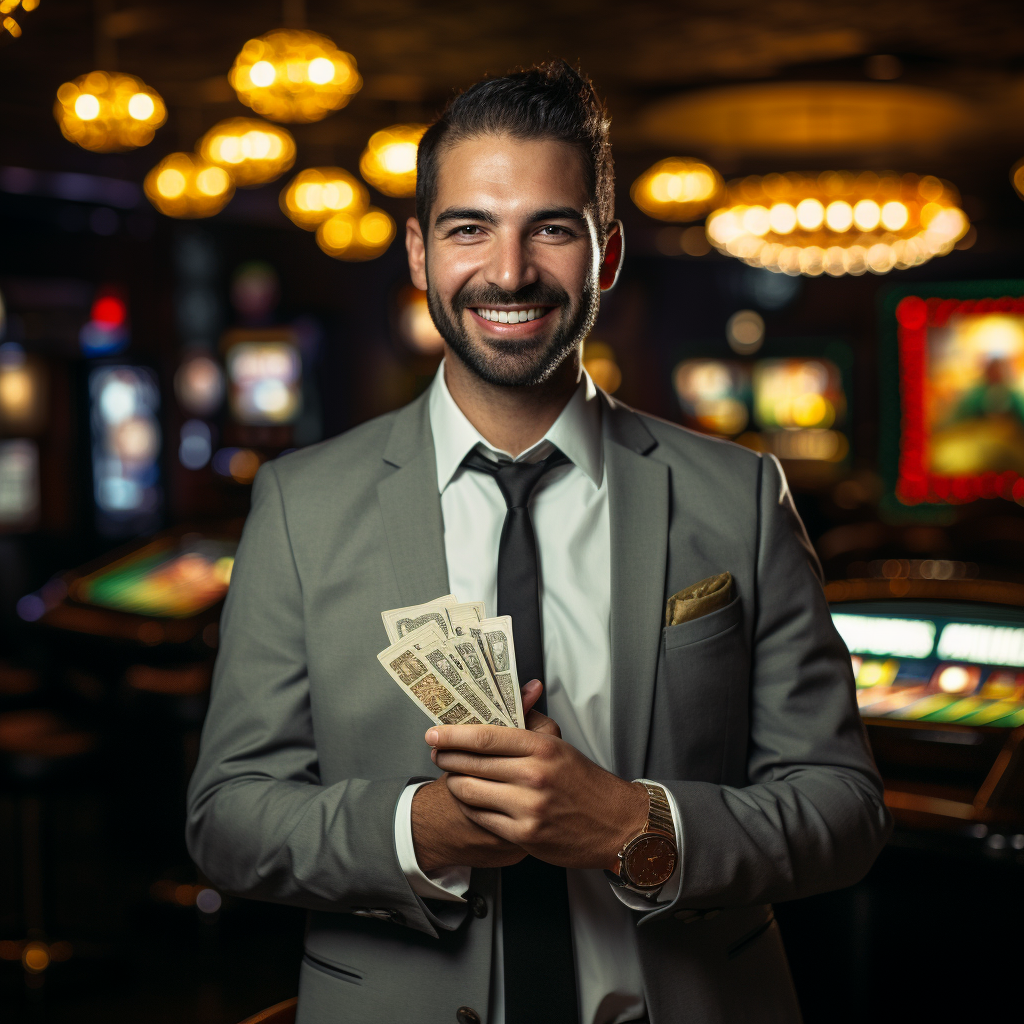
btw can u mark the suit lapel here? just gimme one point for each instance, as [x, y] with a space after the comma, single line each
[410, 507]
[638, 495]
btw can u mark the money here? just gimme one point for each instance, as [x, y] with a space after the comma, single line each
[458, 666]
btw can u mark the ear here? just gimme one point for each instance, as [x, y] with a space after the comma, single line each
[417, 252]
[611, 263]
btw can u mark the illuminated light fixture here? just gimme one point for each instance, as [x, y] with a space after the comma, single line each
[389, 161]
[186, 185]
[108, 112]
[677, 189]
[356, 237]
[8, 24]
[415, 325]
[317, 193]
[292, 75]
[253, 152]
[838, 222]
[1017, 177]
[106, 330]
[600, 362]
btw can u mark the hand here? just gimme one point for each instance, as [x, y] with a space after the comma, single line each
[534, 790]
[443, 836]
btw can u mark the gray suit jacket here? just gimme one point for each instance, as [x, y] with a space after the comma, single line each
[747, 715]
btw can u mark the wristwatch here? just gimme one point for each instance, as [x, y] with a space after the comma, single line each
[646, 861]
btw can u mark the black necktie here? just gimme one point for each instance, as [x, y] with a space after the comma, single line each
[540, 976]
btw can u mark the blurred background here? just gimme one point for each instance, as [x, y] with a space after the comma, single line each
[201, 213]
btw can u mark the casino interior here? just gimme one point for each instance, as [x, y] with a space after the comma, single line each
[202, 268]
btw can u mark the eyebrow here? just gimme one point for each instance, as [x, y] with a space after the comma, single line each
[468, 213]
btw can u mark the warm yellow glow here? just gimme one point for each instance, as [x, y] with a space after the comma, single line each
[36, 957]
[316, 193]
[356, 236]
[107, 112]
[677, 189]
[252, 151]
[837, 222]
[292, 75]
[389, 161]
[186, 185]
[600, 362]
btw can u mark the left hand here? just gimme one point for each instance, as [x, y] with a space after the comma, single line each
[530, 787]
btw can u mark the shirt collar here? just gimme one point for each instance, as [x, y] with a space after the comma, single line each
[576, 432]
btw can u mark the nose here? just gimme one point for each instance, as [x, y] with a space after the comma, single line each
[509, 266]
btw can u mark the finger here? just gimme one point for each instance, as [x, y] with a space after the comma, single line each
[482, 739]
[498, 769]
[538, 723]
[531, 694]
[500, 825]
[484, 794]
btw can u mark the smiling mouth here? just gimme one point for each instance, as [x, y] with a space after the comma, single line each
[512, 316]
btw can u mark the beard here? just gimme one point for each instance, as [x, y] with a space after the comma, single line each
[515, 363]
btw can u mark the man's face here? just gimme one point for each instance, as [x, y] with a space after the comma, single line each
[511, 257]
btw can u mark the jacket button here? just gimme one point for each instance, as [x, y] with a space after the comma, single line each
[478, 905]
[467, 1015]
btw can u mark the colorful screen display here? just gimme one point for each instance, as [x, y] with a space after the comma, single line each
[265, 382]
[935, 668]
[165, 579]
[962, 399]
[19, 484]
[794, 408]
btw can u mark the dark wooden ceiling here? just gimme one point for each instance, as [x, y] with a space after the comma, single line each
[413, 53]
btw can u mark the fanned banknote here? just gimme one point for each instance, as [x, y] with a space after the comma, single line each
[460, 657]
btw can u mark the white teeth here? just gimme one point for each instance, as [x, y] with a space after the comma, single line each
[515, 316]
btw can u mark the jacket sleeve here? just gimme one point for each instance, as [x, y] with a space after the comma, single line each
[260, 822]
[812, 817]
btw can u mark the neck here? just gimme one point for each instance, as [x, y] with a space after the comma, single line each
[511, 418]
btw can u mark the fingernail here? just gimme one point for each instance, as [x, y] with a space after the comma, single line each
[431, 737]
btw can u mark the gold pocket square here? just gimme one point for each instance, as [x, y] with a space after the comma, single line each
[699, 599]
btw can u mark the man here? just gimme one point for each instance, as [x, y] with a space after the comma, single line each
[615, 860]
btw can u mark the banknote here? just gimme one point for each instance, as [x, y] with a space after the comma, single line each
[449, 665]
[498, 643]
[430, 690]
[401, 621]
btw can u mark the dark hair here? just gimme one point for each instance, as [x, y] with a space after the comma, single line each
[548, 101]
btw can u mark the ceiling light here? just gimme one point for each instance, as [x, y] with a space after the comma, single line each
[356, 236]
[293, 75]
[317, 193]
[186, 185]
[107, 112]
[838, 222]
[677, 189]
[253, 152]
[389, 161]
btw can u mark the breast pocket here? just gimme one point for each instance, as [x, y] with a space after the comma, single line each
[700, 703]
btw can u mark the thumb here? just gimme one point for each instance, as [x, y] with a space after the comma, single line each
[535, 721]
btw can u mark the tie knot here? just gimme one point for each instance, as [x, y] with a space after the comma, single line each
[516, 480]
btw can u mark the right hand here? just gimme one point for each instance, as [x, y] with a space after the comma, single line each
[444, 837]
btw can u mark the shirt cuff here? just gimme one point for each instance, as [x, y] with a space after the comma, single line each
[670, 889]
[449, 883]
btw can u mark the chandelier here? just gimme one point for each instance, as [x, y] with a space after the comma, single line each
[8, 24]
[253, 152]
[837, 222]
[317, 193]
[108, 112]
[356, 236]
[677, 189]
[389, 161]
[186, 185]
[294, 75]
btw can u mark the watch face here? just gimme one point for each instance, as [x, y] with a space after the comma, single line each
[650, 860]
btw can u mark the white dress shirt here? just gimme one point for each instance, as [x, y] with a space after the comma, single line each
[569, 510]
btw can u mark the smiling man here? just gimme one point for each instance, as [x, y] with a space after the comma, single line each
[693, 751]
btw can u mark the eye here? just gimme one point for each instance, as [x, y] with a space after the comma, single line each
[467, 230]
[555, 231]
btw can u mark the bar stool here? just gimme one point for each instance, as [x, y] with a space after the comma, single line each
[280, 1013]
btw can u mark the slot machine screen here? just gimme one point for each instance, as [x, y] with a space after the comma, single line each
[944, 663]
[265, 382]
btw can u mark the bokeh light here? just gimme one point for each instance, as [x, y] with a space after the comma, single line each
[677, 189]
[295, 76]
[356, 237]
[107, 112]
[1017, 177]
[838, 222]
[389, 161]
[253, 152]
[186, 185]
[415, 326]
[317, 193]
[600, 362]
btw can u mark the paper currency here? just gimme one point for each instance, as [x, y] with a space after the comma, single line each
[467, 661]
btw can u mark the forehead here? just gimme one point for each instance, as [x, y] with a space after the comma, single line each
[510, 176]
